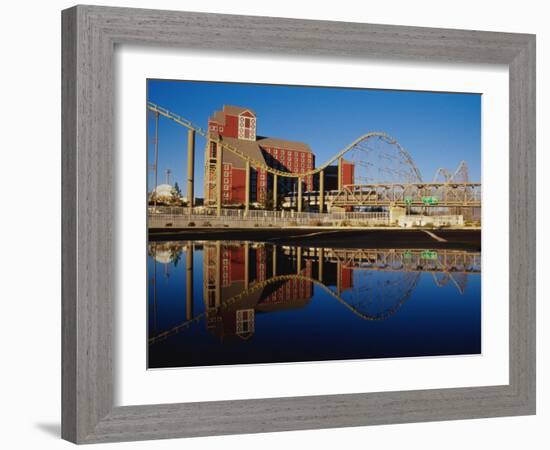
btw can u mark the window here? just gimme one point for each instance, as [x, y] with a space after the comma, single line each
[247, 128]
[245, 321]
[211, 299]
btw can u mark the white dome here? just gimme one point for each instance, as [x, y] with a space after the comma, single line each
[164, 190]
[163, 256]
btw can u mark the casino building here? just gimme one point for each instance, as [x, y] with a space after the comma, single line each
[236, 126]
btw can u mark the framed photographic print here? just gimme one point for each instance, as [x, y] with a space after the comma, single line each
[266, 230]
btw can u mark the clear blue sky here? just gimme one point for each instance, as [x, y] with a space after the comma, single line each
[437, 129]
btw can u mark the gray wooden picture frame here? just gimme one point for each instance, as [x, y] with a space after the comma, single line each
[90, 34]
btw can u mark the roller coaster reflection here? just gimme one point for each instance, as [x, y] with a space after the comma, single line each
[242, 279]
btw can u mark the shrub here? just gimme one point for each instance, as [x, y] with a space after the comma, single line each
[191, 224]
[206, 224]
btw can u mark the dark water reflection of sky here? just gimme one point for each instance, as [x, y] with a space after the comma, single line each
[355, 305]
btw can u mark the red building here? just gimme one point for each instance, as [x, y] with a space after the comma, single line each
[229, 312]
[331, 175]
[237, 127]
[348, 173]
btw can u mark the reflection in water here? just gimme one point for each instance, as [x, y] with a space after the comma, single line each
[218, 302]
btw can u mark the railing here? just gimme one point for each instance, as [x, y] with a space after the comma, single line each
[176, 216]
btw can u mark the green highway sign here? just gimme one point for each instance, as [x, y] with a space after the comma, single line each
[429, 254]
[429, 200]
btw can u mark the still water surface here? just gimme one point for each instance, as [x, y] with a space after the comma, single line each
[215, 303]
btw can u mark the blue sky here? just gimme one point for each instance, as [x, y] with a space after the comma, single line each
[437, 129]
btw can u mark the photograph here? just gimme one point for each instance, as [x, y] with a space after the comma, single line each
[310, 223]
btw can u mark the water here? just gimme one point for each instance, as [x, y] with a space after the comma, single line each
[216, 303]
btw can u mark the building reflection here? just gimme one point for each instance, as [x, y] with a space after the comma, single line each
[245, 272]
[242, 280]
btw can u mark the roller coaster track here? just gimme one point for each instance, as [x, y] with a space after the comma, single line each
[261, 165]
[283, 278]
[460, 175]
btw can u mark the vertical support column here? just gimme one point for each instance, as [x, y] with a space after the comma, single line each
[275, 192]
[322, 191]
[219, 181]
[274, 257]
[247, 188]
[156, 156]
[340, 174]
[189, 281]
[190, 169]
[299, 260]
[246, 266]
[321, 261]
[339, 278]
[299, 194]
[219, 266]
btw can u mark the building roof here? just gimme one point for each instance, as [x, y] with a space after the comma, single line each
[236, 110]
[282, 143]
[251, 148]
[255, 149]
[218, 117]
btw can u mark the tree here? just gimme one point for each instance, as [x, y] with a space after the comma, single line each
[176, 191]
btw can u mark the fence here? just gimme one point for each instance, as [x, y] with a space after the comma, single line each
[182, 217]
[420, 221]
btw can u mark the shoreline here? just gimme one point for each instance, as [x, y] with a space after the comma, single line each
[448, 238]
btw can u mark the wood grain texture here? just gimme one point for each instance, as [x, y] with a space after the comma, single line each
[68, 226]
[89, 36]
